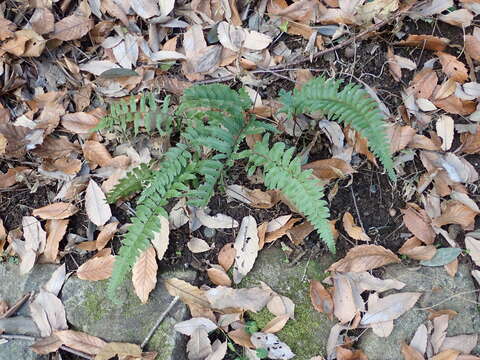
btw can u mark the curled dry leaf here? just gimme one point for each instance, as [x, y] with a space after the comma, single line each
[400, 137]
[410, 353]
[161, 238]
[56, 230]
[461, 18]
[96, 153]
[55, 211]
[189, 294]
[365, 281]
[98, 210]
[413, 248]
[199, 346]
[219, 221]
[276, 324]
[281, 305]
[452, 67]
[218, 276]
[278, 233]
[321, 298]
[241, 337]
[428, 42]
[106, 234]
[328, 169]
[354, 231]
[364, 257]
[197, 245]
[188, 327]
[95, 269]
[144, 274]
[347, 302]
[455, 212]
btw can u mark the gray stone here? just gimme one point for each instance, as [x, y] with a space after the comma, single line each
[12, 287]
[440, 291]
[306, 335]
[90, 310]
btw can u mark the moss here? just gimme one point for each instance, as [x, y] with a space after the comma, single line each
[93, 304]
[161, 341]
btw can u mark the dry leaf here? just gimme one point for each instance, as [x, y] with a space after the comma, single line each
[42, 21]
[463, 343]
[246, 248]
[219, 221]
[252, 299]
[329, 169]
[390, 307]
[80, 341]
[365, 281]
[121, 349]
[188, 327]
[95, 269]
[428, 42]
[419, 224]
[456, 213]
[414, 249]
[276, 324]
[354, 231]
[461, 18]
[106, 234]
[445, 129]
[48, 313]
[35, 237]
[189, 294]
[364, 257]
[400, 137]
[144, 274]
[46, 345]
[241, 337]
[161, 238]
[321, 298]
[440, 325]
[424, 83]
[281, 305]
[276, 348]
[278, 233]
[199, 346]
[409, 353]
[96, 153]
[72, 27]
[96, 205]
[226, 256]
[473, 247]
[345, 299]
[218, 276]
[55, 211]
[79, 122]
[472, 46]
[197, 245]
[56, 230]
[452, 67]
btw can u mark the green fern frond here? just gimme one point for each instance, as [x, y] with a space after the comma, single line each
[351, 105]
[168, 182]
[223, 111]
[133, 182]
[282, 171]
[145, 113]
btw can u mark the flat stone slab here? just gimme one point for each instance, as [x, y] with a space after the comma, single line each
[306, 335]
[13, 286]
[440, 291]
[90, 310]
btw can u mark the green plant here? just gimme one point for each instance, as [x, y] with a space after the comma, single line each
[144, 114]
[215, 117]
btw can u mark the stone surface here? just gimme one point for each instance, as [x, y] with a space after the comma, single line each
[438, 288]
[306, 335]
[89, 309]
[12, 287]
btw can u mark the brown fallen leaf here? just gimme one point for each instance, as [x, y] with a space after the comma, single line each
[241, 337]
[435, 313]
[72, 27]
[463, 343]
[122, 350]
[144, 274]
[444, 90]
[96, 269]
[454, 212]
[281, 305]
[470, 142]
[400, 137]
[79, 122]
[321, 298]
[452, 67]
[354, 231]
[46, 345]
[461, 18]
[409, 353]
[278, 233]
[393, 66]
[348, 354]
[455, 105]
[299, 232]
[328, 169]
[276, 324]
[390, 307]
[218, 276]
[447, 355]
[414, 248]
[472, 44]
[347, 302]
[197, 245]
[226, 256]
[106, 234]
[96, 153]
[12, 176]
[189, 294]
[80, 341]
[364, 257]
[451, 268]
[56, 230]
[428, 42]
[55, 211]
[423, 83]
[418, 222]
[252, 299]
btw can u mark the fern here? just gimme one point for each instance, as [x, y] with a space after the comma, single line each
[282, 171]
[144, 114]
[168, 182]
[216, 118]
[352, 105]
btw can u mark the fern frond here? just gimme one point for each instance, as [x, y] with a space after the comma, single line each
[168, 182]
[352, 105]
[145, 114]
[223, 110]
[133, 182]
[282, 171]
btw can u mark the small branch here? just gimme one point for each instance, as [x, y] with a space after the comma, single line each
[159, 321]
[14, 308]
[76, 352]
[17, 337]
[356, 209]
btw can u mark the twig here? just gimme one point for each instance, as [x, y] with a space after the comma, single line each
[159, 321]
[76, 352]
[13, 309]
[356, 209]
[17, 337]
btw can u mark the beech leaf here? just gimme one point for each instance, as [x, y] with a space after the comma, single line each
[98, 210]
[97, 268]
[364, 257]
[144, 274]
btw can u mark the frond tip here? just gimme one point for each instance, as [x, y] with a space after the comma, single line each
[352, 105]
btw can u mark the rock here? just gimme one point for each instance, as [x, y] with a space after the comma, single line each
[438, 287]
[306, 335]
[12, 287]
[90, 310]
